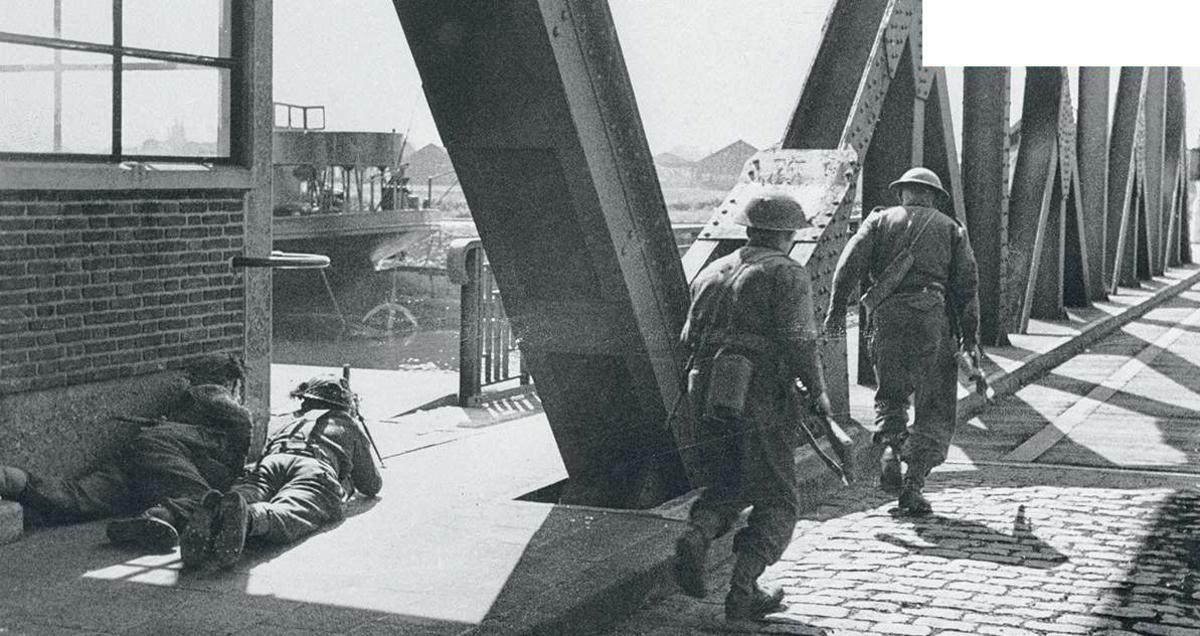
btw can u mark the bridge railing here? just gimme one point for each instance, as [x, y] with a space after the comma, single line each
[488, 353]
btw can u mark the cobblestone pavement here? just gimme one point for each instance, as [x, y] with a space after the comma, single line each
[1009, 550]
[1071, 507]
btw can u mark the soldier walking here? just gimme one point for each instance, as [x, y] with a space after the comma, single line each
[922, 306]
[751, 334]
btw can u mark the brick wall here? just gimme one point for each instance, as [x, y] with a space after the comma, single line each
[105, 285]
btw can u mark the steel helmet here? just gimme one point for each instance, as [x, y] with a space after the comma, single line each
[329, 389]
[772, 211]
[921, 176]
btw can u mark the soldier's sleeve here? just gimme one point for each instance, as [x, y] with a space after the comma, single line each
[965, 286]
[794, 315]
[365, 475]
[851, 265]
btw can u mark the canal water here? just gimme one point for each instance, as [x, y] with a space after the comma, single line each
[413, 367]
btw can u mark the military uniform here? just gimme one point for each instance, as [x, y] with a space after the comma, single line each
[757, 303]
[296, 489]
[914, 333]
[309, 467]
[202, 445]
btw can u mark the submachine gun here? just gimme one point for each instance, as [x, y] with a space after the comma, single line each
[810, 416]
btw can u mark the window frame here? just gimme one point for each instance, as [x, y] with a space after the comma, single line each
[118, 51]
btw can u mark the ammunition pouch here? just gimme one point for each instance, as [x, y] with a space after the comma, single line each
[728, 385]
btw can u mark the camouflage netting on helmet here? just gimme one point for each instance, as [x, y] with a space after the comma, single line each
[328, 389]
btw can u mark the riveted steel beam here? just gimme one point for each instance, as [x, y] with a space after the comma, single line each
[1155, 109]
[1093, 147]
[534, 104]
[1044, 214]
[833, 85]
[985, 170]
[1174, 170]
[1033, 194]
[1123, 179]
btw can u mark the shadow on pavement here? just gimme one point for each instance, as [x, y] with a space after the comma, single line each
[950, 538]
[1165, 574]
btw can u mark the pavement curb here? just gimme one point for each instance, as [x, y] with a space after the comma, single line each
[1037, 365]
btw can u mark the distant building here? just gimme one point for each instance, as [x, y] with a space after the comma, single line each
[722, 168]
[177, 144]
[674, 170]
[431, 160]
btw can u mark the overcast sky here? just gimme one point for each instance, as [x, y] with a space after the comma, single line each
[705, 73]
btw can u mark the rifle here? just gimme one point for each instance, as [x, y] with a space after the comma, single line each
[146, 421]
[829, 429]
[362, 421]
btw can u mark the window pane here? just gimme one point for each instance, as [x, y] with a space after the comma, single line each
[85, 20]
[84, 101]
[174, 109]
[185, 26]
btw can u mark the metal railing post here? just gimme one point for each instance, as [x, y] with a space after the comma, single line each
[470, 337]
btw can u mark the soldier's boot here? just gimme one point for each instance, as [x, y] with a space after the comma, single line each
[912, 502]
[12, 482]
[746, 600]
[196, 542]
[691, 556]
[232, 527]
[891, 478]
[150, 530]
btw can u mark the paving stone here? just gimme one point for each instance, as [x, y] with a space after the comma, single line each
[901, 628]
[809, 609]
[842, 624]
[1057, 628]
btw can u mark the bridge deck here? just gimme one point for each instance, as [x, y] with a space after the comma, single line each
[1069, 504]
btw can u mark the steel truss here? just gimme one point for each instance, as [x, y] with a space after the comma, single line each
[535, 106]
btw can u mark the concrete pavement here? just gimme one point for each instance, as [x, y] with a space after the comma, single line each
[449, 550]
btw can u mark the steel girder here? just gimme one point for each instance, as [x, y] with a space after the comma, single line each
[1147, 207]
[1093, 205]
[534, 104]
[1092, 155]
[985, 171]
[1046, 258]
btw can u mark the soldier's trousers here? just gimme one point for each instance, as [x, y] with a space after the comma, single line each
[101, 493]
[749, 462]
[912, 350]
[290, 497]
[166, 465]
